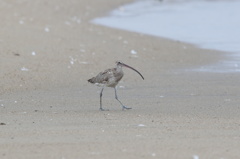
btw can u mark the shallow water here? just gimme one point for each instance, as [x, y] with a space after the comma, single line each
[207, 24]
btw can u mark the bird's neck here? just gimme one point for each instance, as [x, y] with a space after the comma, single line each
[119, 68]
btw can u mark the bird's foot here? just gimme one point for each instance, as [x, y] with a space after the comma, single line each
[103, 109]
[124, 107]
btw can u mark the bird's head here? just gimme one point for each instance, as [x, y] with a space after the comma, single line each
[119, 63]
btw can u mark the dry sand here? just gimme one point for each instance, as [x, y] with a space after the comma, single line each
[48, 110]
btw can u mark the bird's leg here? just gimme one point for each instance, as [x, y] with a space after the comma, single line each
[123, 107]
[101, 100]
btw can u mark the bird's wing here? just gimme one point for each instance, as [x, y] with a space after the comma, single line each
[103, 77]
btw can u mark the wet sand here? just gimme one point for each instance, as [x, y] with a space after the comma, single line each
[48, 110]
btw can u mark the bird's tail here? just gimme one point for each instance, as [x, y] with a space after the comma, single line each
[92, 80]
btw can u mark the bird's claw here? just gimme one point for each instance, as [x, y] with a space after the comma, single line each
[124, 107]
[103, 109]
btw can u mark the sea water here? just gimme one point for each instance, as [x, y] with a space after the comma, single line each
[211, 24]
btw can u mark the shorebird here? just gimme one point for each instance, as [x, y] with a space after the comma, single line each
[110, 78]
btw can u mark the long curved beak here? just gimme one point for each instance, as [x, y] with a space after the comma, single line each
[132, 69]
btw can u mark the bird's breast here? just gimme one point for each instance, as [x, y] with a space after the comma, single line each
[115, 77]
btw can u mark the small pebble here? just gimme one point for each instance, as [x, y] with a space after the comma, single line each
[121, 86]
[47, 29]
[21, 22]
[133, 52]
[153, 154]
[195, 157]
[24, 69]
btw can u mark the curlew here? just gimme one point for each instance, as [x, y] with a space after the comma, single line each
[110, 78]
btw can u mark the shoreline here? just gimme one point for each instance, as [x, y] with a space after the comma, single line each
[181, 21]
[129, 17]
[50, 111]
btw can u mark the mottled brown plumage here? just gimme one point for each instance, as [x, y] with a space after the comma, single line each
[110, 78]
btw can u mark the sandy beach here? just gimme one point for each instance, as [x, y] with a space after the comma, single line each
[49, 49]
